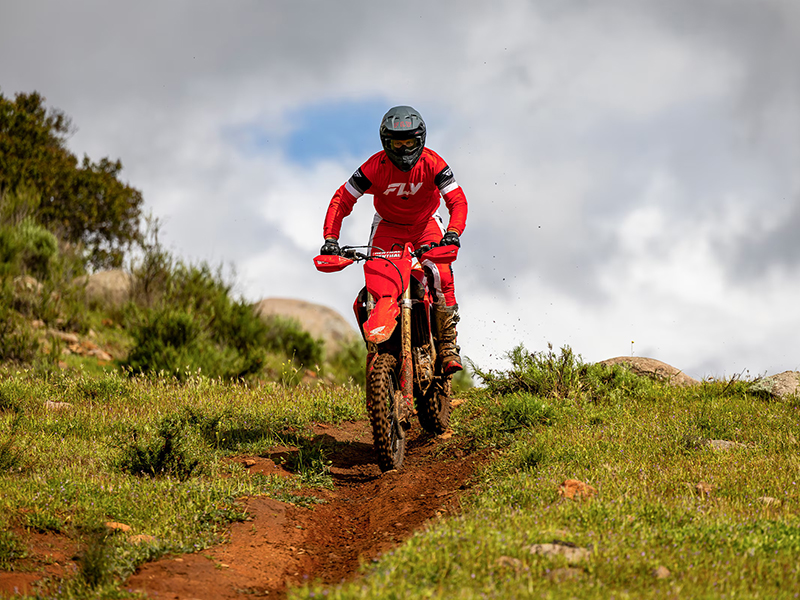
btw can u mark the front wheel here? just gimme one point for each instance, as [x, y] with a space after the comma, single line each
[387, 434]
[433, 409]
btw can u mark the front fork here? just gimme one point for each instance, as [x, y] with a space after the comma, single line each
[406, 364]
[406, 371]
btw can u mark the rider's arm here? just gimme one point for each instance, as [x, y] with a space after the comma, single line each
[454, 199]
[343, 202]
[340, 206]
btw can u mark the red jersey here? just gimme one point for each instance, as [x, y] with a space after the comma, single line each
[405, 198]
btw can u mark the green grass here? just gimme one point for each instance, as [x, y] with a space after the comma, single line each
[123, 451]
[642, 446]
[151, 453]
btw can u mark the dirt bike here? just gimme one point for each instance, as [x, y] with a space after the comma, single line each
[394, 313]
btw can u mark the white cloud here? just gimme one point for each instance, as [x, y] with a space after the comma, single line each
[632, 166]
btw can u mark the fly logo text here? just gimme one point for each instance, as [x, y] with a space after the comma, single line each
[400, 189]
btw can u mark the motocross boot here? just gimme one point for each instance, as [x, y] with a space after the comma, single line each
[446, 318]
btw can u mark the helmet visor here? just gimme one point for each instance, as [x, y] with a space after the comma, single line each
[410, 143]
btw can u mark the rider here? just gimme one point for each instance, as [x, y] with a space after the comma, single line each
[407, 190]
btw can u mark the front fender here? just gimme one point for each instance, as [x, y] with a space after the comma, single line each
[382, 320]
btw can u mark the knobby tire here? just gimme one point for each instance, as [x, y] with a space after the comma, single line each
[387, 435]
[433, 409]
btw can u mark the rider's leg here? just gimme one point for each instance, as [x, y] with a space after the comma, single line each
[385, 236]
[446, 319]
[445, 310]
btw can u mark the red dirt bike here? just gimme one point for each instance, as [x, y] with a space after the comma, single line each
[394, 312]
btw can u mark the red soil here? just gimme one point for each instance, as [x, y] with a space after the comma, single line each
[283, 545]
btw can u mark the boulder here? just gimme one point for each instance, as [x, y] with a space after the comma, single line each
[27, 285]
[111, 288]
[572, 489]
[320, 321]
[571, 552]
[778, 386]
[655, 369]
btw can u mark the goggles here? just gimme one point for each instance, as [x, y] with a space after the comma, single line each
[409, 143]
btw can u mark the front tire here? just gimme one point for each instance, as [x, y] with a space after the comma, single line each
[387, 434]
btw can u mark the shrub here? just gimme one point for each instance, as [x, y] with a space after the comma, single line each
[197, 325]
[11, 548]
[104, 388]
[165, 340]
[522, 409]
[27, 248]
[549, 375]
[349, 363]
[166, 454]
[17, 342]
[11, 396]
[38, 247]
[96, 560]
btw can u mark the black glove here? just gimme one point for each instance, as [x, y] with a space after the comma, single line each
[450, 239]
[331, 246]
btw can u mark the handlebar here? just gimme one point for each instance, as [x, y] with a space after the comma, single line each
[436, 253]
[352, 252]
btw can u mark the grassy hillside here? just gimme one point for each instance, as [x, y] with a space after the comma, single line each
[174, 318]
[676, 492]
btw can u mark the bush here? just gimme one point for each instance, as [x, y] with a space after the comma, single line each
[548, 375]
[350, 363]
[17, 342]
[27, 249]
[166, 454]
[165, 340]
[522, 409]
[11, 396]
[38, 247]
[10, 454]
[11, 549]
[196, 324]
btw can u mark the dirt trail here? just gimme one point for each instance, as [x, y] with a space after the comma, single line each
[364, 516]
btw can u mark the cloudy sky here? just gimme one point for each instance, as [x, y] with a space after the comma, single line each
[632, 166]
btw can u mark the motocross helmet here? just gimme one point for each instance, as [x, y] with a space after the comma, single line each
[403, 136]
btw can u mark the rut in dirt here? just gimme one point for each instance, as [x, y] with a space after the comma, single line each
[366, 515]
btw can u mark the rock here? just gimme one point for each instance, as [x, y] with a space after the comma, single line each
[661, 572]
[652, 368]
[320, 321]
[704, 489]
[100, 355]
[67, 338]
[111, 288]
[572, 553]
[114, 526]
[572, 489]
[27, 285]
[778, 386]
[565, 574]
[142, 538]
[510, 562]
[723, 445]
[769, 501]
[57, 406]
